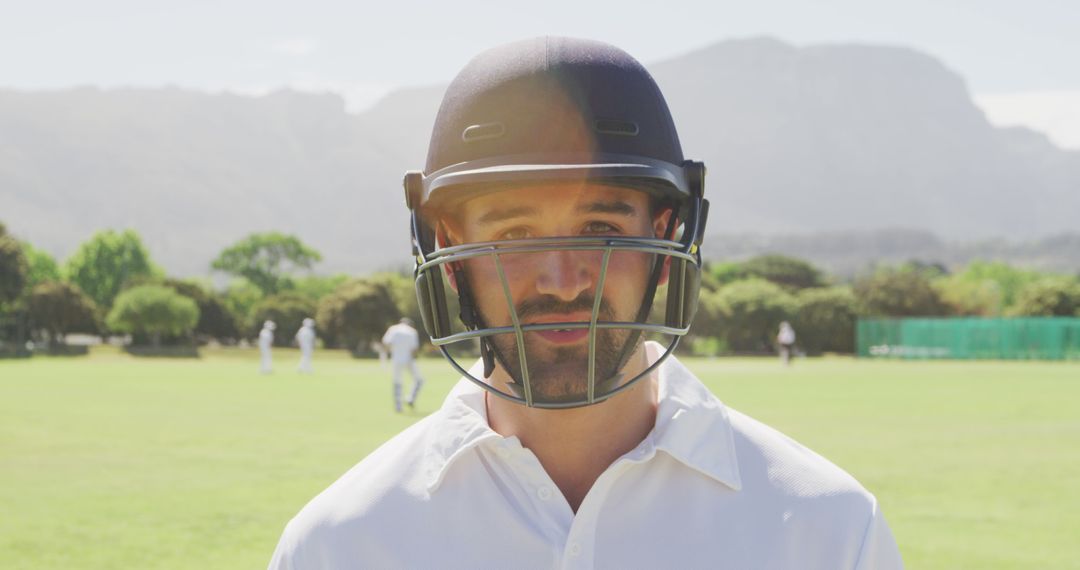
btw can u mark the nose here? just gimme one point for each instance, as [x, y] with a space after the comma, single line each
[563, 274]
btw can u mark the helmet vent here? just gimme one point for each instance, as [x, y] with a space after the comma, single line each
[616, 127]
[483, 132]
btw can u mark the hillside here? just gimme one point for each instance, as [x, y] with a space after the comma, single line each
[797, 139]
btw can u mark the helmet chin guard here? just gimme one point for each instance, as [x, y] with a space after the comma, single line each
[551, 111]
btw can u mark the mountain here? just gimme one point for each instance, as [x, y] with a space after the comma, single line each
[829, 138]
[837, 138]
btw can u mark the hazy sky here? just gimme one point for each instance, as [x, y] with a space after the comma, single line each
[1020, 58]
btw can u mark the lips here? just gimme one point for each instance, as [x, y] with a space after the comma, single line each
[563, 336]
[567, 336]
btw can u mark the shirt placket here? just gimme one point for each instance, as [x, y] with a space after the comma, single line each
[553, 515]
[579, 551]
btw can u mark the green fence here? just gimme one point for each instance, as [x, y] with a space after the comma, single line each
[1035, 338]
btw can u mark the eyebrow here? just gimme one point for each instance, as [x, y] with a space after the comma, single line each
[496, 215]
[613, 207]
[502, 214]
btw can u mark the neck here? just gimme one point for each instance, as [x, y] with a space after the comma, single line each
[575, 446]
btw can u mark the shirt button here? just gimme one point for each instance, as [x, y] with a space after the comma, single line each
[544, 493]
[575, 549]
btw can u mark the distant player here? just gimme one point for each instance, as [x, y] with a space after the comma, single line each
[403, 341]
[266, 342]
[305, 337]
[786, 339]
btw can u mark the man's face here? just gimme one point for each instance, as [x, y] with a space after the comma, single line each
[559, 285]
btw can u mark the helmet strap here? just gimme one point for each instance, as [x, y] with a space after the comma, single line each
[643, 310]
[470, 317]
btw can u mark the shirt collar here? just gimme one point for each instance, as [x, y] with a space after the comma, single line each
[692, 425]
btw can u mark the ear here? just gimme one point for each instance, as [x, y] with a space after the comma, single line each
[660, 223]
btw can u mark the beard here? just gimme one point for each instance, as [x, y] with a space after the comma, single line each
[561, 373]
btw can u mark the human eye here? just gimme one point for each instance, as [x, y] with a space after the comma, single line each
[513, 233]
[599, 227]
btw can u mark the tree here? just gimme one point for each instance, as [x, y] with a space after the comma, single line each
[58, 308]
[315, 287]
[898, 293]
[13, 268]
[103, 264]
[1048, 297]
[357, 313]
[968, 296]
[745, 314]
[1010, 280]
[824, 319]
[288, 311]
[716, 275]
[265, 260]
[788, 272]
[706, 330]
[240, 298]
[41, 266]
[215, 319]
[154, 310]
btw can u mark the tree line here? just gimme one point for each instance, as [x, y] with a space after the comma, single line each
[110, 285]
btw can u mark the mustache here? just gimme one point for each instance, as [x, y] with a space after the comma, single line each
[547, 305]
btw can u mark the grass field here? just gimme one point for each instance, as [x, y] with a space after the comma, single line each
[113, 462]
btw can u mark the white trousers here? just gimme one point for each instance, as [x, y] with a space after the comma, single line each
[305, 360]
[265, 364]
[417, 381]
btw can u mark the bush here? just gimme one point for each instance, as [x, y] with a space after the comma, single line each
[1048, 297]
[216, 321]
[1009, 280]
[240, 299]
[788, 272]
[288, 311]
[898, 293]
[57, 308]
[744, 315]
[970, 297]
[825, 319]
[153, 310]
[357, 313]
[716, 275]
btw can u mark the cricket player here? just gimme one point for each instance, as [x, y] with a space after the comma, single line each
[305, 338]
[786, 339]
[266, 344]
[554, 208]
[403, 342]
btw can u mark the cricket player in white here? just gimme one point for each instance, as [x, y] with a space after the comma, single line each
[266, 343]
[786, 339]
[305, 337]
[403, 341]
[557, 206]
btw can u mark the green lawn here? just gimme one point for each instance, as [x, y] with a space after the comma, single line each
[113, 462]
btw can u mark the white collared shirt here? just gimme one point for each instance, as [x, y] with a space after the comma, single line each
[403, 340]
[707, 488]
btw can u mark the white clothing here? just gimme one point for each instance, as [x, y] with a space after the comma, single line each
[417, 382]
[305, 337]
[786, 336]
[402, 340]
[708, 487]
[266, 341]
